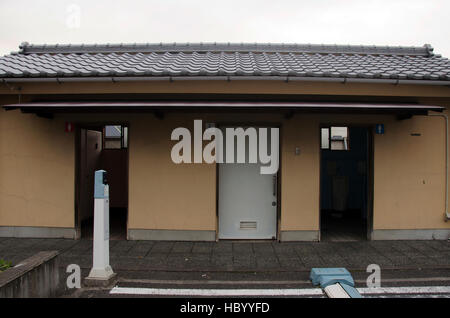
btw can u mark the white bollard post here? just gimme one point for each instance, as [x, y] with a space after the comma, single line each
[101, 272]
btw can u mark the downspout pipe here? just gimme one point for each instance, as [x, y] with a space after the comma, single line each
[445, 117]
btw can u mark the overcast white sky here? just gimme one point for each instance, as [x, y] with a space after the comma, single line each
[380, 22]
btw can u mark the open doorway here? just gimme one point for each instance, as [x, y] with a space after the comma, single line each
[345, 191]
[102, 147]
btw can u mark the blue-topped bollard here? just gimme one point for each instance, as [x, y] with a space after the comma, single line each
[101, 272]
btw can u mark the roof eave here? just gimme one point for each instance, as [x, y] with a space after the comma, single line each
[224, 78]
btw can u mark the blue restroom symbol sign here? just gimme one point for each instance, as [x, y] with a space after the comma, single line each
[379, 129]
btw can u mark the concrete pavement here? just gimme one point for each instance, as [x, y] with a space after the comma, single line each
[240, 256]
[254, 264]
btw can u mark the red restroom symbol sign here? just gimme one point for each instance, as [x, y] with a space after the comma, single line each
[69, 127]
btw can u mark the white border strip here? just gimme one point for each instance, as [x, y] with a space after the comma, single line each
[192, 292]
[215, 292]
[405, 290]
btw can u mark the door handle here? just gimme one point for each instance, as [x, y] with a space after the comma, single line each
[274, 181]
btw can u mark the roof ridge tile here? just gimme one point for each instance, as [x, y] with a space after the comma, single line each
[27, 48]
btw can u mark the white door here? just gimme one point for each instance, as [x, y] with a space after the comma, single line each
[247, 201]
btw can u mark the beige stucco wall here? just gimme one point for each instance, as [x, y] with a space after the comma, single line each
[37, 173]
[300, 174]
[409, 185]
[162, 194]
[409, 171]
[169, 196]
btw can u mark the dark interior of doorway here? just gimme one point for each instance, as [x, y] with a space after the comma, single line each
[103, 147]
[344, 186]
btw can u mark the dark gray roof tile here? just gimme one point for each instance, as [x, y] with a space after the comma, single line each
[229, 59]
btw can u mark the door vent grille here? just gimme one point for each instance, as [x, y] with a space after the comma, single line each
[247, 225]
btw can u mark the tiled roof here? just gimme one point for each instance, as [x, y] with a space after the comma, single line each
[215, 59]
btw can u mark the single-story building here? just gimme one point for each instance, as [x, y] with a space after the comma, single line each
[361, 137]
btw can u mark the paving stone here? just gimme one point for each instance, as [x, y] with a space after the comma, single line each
[426, 249]
[263, 249]
[125, 263]
[83, 261]
[401, 261]
[243, 248]
[360, 262]
[303, 249]
[381, 260]
[5, 240]
[83, 247]
[284, 248]
[124, 245]
[244, 260]
[122, 248]
[141, 249]
[223, 248]
[246, 265]
[202, 247]
[423, 260]
[205, 258]
[440, 261]
[178, 260]
[158, 261]
[444, 245]
[199, 261]
[437, 246]
[182, 247]
[222, 260]
[311, 261]
[162, 247]
[290, 263]
[333, 260]
[267, 262]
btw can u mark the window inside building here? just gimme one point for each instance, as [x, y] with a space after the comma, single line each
[334, 138]
[325, 137]
[115, 137]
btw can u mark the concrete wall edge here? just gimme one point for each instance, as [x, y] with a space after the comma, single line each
[414, 234]
[171, 235]
[37, 232]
